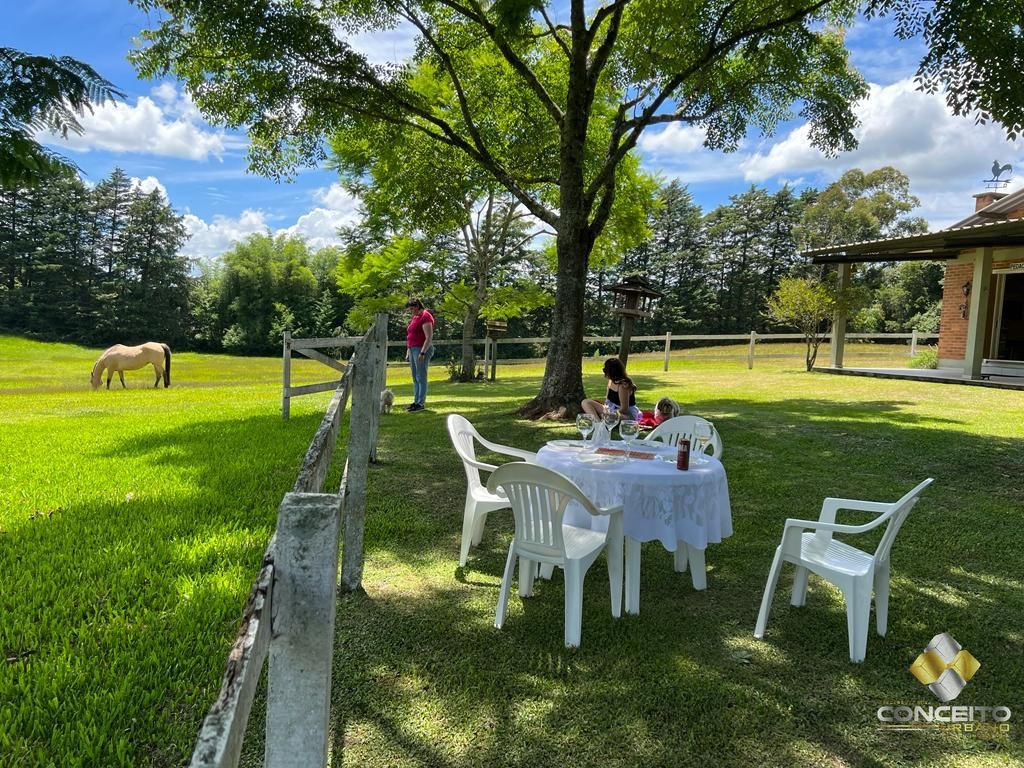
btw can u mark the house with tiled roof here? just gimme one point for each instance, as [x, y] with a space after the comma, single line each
[981, 332]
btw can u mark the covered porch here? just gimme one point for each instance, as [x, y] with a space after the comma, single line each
[981, 336]
[941, 376]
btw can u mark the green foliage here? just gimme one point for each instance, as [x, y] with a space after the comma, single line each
[925, 358]
[509, 301]
[974, 51]
[861, 206]
[42, 94]
[99, 265]
[904, 296]
[266, 286]
[807, 305]
[551, 113]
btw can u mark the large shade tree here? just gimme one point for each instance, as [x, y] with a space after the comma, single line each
[516, 86]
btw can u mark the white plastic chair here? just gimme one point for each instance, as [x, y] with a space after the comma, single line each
[479, 502]
[673, 430]
[539, 496]
[853, 571]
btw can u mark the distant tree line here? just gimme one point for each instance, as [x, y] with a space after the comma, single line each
[92, 264]
[717, 270]
[103, 264]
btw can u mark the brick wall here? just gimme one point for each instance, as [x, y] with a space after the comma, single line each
[952, 327]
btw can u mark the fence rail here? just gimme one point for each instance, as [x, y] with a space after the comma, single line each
[752, 339]
[288, 620]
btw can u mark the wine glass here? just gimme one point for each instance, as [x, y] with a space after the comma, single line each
[585, 424]
[610, 418]
[629, 430]
[702, 432]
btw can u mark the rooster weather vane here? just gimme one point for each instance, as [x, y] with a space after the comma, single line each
[998, 170]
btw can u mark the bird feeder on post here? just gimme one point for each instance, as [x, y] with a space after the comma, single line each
[495, 330]
[634, 299]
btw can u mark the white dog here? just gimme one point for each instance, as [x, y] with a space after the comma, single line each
[387, 400]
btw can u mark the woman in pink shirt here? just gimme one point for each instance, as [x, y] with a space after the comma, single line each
[419, 348]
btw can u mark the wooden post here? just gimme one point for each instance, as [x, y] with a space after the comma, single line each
[913, 342]
[360, 425]
[977, 322]
[377, 360]
[223, 731]
[627, 336]
[750, 350]
[287, 375]
[668, 348]
[302, 647]
[494, 359]
[487, 356]
[838, 346]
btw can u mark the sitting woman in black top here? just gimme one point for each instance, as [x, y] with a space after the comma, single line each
[621, 394]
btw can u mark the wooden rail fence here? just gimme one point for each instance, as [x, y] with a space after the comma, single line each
[490, 358]
[289, 615]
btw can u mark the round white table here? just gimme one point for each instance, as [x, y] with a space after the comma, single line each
[684, 510]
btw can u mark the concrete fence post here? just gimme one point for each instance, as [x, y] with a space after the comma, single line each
[302, 643]
[668, 348]
[913, 342]
[750, 350]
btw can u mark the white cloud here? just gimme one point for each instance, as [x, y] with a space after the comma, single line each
[945, 157]
[318, 226]
[673, 139]
[211, 239]
[171, 128]
[148, 184]
[389, 46]
[336, 198]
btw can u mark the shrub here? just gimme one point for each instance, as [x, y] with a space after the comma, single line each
[925, 358]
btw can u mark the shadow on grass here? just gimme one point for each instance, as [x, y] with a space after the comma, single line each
[121, 609]
[422, 678]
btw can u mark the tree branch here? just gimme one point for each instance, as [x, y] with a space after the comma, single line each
[713, 53]
[513, 58]
[554, 31]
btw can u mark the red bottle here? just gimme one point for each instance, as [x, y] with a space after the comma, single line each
[683, 454]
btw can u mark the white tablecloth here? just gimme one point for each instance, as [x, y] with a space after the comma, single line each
[660, 502]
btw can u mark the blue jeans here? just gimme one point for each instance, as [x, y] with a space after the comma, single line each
[419, 373]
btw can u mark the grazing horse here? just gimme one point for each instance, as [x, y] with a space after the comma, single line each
[121, 358]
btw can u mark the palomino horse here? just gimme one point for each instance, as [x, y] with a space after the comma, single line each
[121, 358]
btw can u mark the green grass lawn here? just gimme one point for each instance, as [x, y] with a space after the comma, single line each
[132, 522]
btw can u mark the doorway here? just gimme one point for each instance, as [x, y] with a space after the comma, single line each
[1009, 318]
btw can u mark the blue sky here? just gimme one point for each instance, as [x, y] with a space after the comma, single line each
[158, 137]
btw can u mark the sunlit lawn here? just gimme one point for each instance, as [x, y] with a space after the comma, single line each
[131, 524]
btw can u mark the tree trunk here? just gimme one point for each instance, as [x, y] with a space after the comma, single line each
[468, 372]
[561, 391]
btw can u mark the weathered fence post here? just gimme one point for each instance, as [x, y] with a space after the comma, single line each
[287, 375]
[750, 350]
[668, 347]
[913, 343]
[378, 362]
[302, 650]
[494, 359]
[360, 425]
